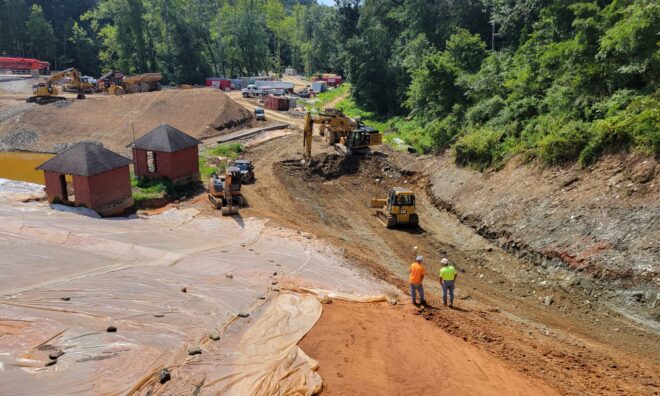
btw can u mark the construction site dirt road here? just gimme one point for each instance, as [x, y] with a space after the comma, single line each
[550, 337]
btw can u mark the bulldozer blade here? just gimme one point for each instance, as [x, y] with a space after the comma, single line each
[378, 203]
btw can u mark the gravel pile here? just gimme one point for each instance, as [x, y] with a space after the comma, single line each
[19, 139]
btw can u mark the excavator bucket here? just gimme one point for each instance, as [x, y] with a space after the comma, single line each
[378, 203]
[229, 210]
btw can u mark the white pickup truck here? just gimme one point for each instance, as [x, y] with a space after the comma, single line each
[254, 91]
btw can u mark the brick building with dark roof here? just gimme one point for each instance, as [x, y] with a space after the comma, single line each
[166, 152]
[101, 179]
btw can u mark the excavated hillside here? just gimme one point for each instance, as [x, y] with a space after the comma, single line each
[112, 119]
[602, 221]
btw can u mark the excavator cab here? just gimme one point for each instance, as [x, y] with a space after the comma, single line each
[398, 209]
[362, 138]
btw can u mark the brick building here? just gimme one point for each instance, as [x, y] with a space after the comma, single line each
[166, 152]
[100, 178]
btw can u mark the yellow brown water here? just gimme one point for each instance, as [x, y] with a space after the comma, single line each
[21, 166]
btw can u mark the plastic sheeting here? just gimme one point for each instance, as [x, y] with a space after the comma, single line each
[166, 283]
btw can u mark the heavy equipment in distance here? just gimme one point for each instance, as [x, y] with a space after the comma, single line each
[115, 82]
[47, 92]
[398, 209]
[346, 134]
[225, 191]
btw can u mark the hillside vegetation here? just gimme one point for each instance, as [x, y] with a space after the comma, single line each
[559, 80]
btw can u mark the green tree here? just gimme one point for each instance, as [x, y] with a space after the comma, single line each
[40, 35]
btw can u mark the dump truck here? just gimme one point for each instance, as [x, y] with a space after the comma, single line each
[398, 209]
[116, 83]
[346, 134]
[225, 191]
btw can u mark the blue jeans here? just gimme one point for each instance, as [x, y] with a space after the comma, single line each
[448, 285]
[417, 288]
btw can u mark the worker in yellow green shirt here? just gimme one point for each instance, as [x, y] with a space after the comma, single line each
[447, 280]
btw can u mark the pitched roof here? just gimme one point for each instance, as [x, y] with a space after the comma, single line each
[84, 159]
[165, 138]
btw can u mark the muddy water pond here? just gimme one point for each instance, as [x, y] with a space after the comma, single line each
[21, 166]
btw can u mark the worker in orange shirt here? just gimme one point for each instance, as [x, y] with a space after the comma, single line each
[416, 277]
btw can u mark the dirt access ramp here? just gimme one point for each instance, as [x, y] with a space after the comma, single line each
[380, 349]
[111, 119]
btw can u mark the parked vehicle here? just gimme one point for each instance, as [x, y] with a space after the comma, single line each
[259, 114]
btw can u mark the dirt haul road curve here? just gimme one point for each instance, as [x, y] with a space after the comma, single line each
[573, 349]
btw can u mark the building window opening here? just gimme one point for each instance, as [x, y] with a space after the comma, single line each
[151, 161]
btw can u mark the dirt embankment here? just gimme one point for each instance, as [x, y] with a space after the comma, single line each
[602, 221]
[111, 119]
[531, 317]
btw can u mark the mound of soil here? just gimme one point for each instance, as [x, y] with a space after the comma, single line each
[113, 119]
[332, 166]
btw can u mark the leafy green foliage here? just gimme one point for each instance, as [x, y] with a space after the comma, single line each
[230, 150]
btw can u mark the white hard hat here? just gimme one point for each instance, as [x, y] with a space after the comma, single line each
[419, 258]
[444, 261]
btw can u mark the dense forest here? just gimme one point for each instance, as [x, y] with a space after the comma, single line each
[558, 80]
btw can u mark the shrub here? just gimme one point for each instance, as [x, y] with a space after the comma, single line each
[479, 147]
[564, 144]
[443, 131]
[485, 110]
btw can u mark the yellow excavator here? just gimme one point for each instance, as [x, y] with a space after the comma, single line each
[225, 191]
[346, 134]
[47, 92]
[398, 209]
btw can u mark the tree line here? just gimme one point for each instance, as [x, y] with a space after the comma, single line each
[186, 40]
[560, 80]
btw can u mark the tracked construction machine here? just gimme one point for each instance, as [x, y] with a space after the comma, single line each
[346, 134]
[225, 191]
[47, 92]
[398, 209]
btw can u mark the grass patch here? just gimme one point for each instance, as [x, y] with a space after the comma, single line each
[230, 150]
[328, 96]
[147, 189]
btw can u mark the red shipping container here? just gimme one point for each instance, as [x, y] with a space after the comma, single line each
[225, 84]
[276, 103]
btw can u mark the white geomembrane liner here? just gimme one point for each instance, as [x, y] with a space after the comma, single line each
[131, 273]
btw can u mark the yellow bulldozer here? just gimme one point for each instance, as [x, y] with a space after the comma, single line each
[398, 209]
[346, 134]
[225, 191]
[47, 92]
